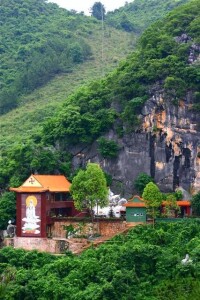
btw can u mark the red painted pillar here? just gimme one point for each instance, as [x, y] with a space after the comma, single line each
[188, 210]
[43, 215]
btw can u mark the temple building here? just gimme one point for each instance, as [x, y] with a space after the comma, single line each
[136, 210]
[42, 199]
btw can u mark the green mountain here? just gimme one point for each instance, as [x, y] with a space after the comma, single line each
[141, 117]
[162, 58]
[117, 99]
[47, 54]
[43, 41]
[139, 14]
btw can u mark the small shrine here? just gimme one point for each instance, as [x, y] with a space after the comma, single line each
[40, 200]
[135, 210]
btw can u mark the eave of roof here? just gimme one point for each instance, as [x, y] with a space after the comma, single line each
[51, 183]
[179, 203]
[134, 204]
[139, 204]
[28, 190]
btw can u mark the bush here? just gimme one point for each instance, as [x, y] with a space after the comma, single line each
[108, 148]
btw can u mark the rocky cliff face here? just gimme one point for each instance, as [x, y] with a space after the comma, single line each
[174, 143]
[167, 147]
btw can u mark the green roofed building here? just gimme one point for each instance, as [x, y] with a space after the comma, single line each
[135, 210]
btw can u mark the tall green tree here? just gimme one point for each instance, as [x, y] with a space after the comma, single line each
[171, 204]
[196, 204]
[7, 208]
[98, 11]
[153, 199]
[89, 188]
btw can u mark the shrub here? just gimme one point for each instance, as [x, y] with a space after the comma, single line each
[108, 148]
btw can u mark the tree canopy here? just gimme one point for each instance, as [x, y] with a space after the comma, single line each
[152, 195]
[195, 203]
[89, 187]
[153, 198]
[98, 11]
[117, 269]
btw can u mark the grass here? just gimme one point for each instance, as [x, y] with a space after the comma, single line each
[18, 125]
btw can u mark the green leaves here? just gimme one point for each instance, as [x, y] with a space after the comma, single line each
[143, 264]
[152, 195]
[195, 202]
[153, 199]
[89, 187]
[41, 43]
[7, 208]
[108, 148]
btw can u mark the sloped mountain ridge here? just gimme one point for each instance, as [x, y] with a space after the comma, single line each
[167, 143]
[128, 107]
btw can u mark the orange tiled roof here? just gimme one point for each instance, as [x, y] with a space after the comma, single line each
[42, 183]
[179, 203]
[30, 189]
[142, 204]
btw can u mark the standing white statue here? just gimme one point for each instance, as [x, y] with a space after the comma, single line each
[31, 220]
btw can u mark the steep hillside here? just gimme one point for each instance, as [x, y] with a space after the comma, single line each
[19, 124]
[51, 51]
[139, 14]
[38, 41]
[141, 117]
[51, 31]
[149, 108]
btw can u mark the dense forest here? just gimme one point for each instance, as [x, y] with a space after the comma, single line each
[115, 102]
[144, 264]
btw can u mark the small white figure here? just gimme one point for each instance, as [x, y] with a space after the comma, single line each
[186, 260]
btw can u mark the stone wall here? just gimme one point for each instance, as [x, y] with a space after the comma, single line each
[54, 246]
[60, 244]
[40, 244]
[107, 228]
[103, 227]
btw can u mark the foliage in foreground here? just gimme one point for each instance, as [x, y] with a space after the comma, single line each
[144, 264]
[196, 204]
